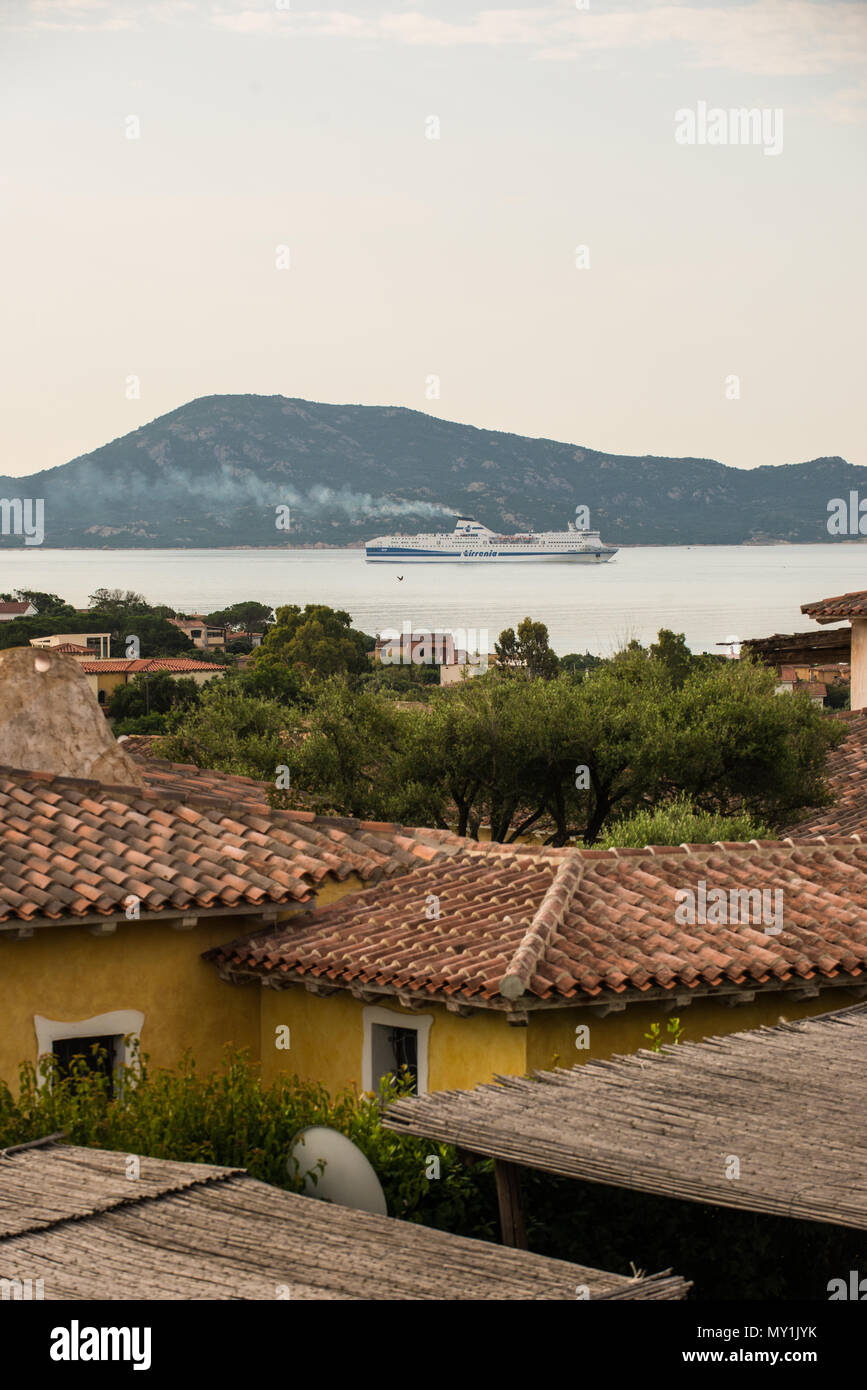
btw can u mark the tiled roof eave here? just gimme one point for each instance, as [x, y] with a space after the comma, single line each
[734, 991]
[262, 911]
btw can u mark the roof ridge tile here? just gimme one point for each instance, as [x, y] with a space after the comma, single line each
[543, 928]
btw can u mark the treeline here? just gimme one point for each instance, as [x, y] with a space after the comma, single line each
[563, 754]
[654, 742]
[122, 613]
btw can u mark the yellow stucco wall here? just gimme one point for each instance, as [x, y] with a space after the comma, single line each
[105, 682]
[65, 973]
[330, 889]
[552, 1034]
[326, 1037]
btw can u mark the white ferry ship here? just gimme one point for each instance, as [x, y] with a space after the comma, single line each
[472, 541]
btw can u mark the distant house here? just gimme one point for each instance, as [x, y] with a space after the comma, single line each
[200, 632]
[463, 666]
[73, 649]
[437, 648]
[96, 646]
[104, 677]
[805, 661]
[414, 649]
[795, 680]
[11, 609]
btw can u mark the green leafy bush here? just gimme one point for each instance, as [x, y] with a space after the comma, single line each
[679, 822]
[230, 1117]
[142, 724]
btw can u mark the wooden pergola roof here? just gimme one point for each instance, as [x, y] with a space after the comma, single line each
[814, 647]
[788, 1102]
[73, 1218]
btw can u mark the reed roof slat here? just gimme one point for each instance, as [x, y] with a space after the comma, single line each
[788, 1101]
[71, 1217]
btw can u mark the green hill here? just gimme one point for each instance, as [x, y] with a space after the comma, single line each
[213, 472]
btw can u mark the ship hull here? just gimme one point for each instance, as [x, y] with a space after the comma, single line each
[395, 555]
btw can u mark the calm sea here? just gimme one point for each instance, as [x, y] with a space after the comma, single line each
[710, 593]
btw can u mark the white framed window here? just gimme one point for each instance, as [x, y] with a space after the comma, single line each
[392, 1040]
[122, 1027]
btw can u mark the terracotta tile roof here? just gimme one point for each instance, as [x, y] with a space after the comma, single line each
[846, 774]
[118, 665]
[185, 779]
[558, 926]
[70, 649]
[139, 745]
[72, 847]
[14, 606]
[832, 610]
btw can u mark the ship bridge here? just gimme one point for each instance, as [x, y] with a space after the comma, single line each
[466, 527]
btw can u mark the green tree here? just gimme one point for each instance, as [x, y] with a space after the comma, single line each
[838, 694]
[561, 756]
[232, 731]
[722, 737]
[738, 746]
[118, 602]
[247, 616]
[572, 755]
[350, 741]
[526, 652]
[671, 651]
[486, 740]
[46, 605]
[271, 677]
[319, 640]
[153, 692]
[578, 663]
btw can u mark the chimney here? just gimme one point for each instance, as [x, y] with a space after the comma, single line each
[50, 720]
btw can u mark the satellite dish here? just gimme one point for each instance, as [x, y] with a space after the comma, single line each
[348, 1179]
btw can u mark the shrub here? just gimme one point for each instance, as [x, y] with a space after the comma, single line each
[678, 822]
[230, 1117]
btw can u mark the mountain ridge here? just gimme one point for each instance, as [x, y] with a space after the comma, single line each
[213, 472]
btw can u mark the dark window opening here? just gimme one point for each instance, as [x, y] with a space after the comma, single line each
[393, 1050]
[100, 1054]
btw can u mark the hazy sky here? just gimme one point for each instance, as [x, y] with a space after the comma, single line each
[264, 126]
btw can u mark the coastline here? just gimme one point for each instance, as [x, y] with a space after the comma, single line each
[359, 546]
